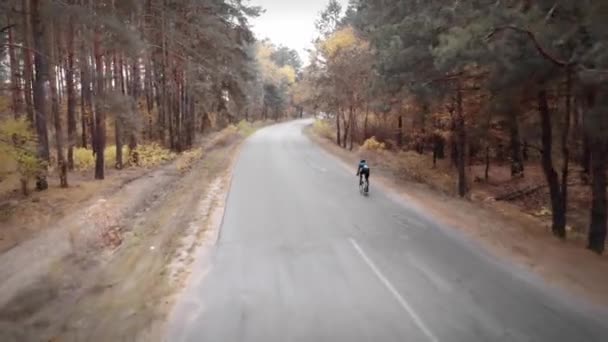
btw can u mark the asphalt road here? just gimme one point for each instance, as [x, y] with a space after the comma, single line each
[302, 256]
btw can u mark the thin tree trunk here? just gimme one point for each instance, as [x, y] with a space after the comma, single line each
[61, 164]
[597, 226]
[487, 169]
[338, 136]
[400, 131]
[118, 131]
[86, 101]
[28, 69]
[71, 106]
[149, 90]
[17, 102]
[598, 146]
[517, 163]
[60, 76]
[558, 214]
[41, 63]
[135, 93]
[352, 127]
[100, 120]
[346, 130]
[365, 123]
[565, 140]
[461, 144]
[586, 160]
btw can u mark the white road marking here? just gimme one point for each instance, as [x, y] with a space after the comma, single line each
[404, 304]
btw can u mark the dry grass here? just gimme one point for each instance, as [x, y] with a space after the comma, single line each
[372, 144]
[187, 159]
[323, 129]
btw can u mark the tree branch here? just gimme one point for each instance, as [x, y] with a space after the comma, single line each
[534, 40]
[6, 28]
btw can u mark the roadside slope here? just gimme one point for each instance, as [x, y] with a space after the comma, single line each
[82, 287]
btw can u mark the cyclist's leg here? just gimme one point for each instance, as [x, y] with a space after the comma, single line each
[360, 178]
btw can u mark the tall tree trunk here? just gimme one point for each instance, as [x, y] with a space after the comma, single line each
[598, 147]
[100, 119]
[41, 63]
[17, 102]
[597, 226]
[517, 163]
[565, 141]
[557, 206]
[346, 130]
[365, 124]
[352, 127]
[400, 131]
[586, 159]
[86, 101]
[118, 130]
[338, 136]
[28, 69]
[71, 105]
[159, 91]
[149, 90]
[61, 164]
[461, 144]
[135, 93]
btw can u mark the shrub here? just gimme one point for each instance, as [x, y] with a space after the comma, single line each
[246, 128]
[323, 129]
[18, 147]
[83, 159]
[150, 155]
[372, 144]
[109, 155]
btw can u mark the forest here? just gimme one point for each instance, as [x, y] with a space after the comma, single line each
[87, 83]
[99, 84]
[519, 84]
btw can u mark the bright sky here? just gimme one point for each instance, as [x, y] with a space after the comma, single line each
[289, 22]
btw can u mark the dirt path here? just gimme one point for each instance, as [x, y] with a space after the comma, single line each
[502, 229]
[62, 286]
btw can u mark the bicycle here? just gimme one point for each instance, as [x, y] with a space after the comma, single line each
[364, 187]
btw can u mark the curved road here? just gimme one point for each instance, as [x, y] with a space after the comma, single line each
[303, 257]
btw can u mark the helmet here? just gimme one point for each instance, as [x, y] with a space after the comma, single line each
[362, 161]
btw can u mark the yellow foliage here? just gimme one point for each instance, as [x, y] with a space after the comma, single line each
[83, 159]
[323, 129]
[109, 155]
[288, 74]
[148, 156]
[5, 104]
[271, 73]
[153, 154]
[340, 40]
[18, 149]
[372, 144]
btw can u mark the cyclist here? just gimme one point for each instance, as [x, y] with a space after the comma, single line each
[363, 169]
